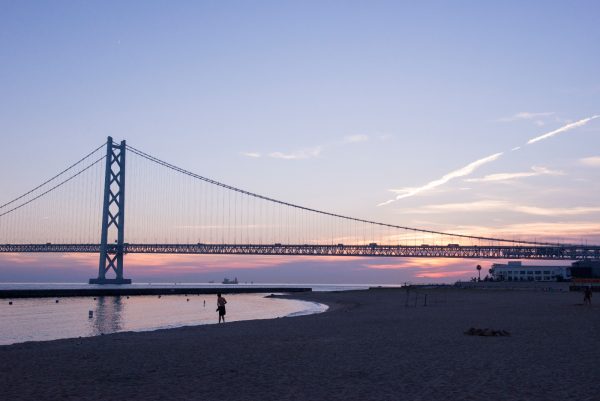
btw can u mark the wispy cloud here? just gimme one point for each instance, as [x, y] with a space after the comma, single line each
[476, 206]
[305, 153]
[444, 274]
[569, 231]
[299, 154]
[562, 129]
[316, 151]
[308, 153]
[356, 138]
[493, 205]
[499, 177]
[430, 268]
[251, 154]
[526, 115]
[593, 161]
[461, 172]
[404, 263]
[541, 211]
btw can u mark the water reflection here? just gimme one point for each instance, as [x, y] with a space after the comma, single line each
[38, 319]
[107, 315]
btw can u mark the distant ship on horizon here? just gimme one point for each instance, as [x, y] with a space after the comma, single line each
[227, 281]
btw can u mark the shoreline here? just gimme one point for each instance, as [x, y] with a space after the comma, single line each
[40, 319]
[368, 345]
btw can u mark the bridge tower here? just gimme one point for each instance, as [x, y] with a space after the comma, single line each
[113, 216]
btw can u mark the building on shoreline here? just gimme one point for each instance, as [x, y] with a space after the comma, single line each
[516, 271]
[586, 273]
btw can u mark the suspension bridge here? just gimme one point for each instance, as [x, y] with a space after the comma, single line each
[174, 211]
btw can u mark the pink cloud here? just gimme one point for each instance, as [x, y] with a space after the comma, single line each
[419, 263]
[207, 263]
[452, 274]
[436, 269]
[158, 266]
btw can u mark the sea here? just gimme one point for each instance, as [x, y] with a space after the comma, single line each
[44, 319]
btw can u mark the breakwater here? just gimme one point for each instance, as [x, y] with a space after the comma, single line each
[127, 290]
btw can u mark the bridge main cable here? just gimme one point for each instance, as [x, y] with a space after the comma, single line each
[55, 177]
[61, 183]
[255, 195]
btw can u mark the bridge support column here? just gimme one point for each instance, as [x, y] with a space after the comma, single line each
[113, 215]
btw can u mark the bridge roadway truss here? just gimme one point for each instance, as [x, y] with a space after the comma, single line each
[559, 252]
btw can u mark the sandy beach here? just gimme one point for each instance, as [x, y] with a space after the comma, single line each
[368, 346]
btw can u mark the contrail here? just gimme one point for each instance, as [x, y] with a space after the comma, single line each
[471, 167]
[461, 172]
[562, 129]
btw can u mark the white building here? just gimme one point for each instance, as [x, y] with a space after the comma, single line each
[515, 271]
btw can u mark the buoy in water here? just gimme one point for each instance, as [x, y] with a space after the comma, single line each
[57, 301]
[188, 300]
[10, 303]
[91, 314]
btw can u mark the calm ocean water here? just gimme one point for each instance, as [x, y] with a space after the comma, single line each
[41, 319]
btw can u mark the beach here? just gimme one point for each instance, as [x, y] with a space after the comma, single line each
[369, 345]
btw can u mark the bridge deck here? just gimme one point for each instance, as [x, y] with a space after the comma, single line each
[558, 252]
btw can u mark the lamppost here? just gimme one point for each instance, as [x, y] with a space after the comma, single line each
[479, 272]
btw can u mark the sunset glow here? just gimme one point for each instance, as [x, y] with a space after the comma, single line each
[288, 126]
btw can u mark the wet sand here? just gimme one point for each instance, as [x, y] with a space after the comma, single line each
[369, 346]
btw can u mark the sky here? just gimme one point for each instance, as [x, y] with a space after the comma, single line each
[455, 116]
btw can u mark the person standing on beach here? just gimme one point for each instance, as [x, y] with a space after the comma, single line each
[587, 295]
[221, 307]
